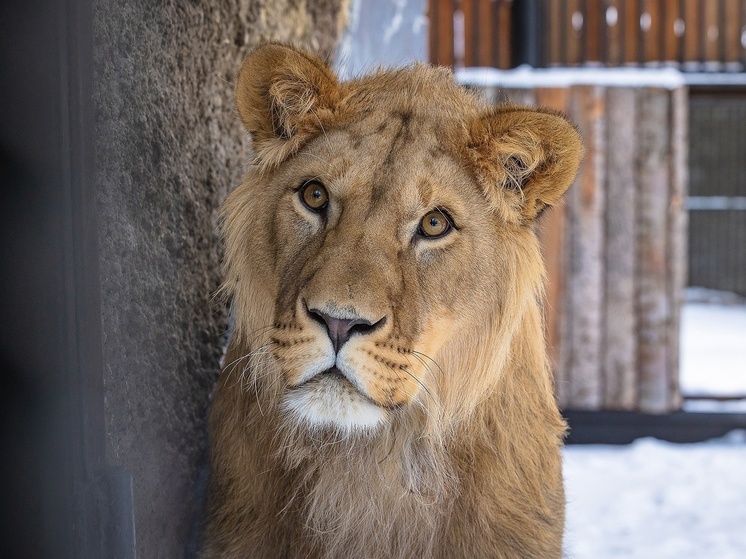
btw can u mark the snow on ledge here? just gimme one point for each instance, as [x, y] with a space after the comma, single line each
[526, 77]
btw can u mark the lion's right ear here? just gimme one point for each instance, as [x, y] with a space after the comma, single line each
[284, 97]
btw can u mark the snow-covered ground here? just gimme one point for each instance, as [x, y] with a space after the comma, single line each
[658, 500]
[713, 345]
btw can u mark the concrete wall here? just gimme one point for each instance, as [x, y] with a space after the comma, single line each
[168, 150]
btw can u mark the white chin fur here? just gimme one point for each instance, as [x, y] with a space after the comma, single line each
[333, 404]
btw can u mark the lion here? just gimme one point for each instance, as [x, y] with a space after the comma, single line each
[386, 391]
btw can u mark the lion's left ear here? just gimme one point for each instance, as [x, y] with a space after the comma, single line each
[284, 97]
[534, 152]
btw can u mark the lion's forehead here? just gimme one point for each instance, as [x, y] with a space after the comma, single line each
[390, 159]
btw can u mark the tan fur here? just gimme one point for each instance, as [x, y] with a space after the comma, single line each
[461, 457]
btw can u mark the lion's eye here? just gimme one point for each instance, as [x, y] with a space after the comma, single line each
[314, 196]
[434, 224]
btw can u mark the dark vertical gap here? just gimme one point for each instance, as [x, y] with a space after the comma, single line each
[524, 26]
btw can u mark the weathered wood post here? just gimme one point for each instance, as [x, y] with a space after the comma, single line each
[615, 251]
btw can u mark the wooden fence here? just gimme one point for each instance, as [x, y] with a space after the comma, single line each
[693, 34]
[616, 250]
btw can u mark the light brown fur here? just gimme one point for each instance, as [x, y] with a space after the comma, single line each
[462, 459]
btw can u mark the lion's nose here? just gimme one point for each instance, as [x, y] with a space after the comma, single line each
[340, 329]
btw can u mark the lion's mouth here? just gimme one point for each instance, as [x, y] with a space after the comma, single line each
[334, 377]
[331, 373]
[331, 399]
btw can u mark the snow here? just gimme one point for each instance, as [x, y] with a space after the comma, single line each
[713, 349]
[659, 500]
[528, 77]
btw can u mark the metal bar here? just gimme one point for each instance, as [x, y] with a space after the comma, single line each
[729, 203]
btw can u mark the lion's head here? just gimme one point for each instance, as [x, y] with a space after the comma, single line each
[380, 253]
[386, 284]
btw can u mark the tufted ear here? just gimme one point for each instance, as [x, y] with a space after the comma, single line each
[284, 98]
[534, 152]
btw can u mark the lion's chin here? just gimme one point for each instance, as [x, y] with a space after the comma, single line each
[329, 401]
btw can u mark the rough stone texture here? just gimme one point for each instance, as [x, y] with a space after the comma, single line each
[169, 148]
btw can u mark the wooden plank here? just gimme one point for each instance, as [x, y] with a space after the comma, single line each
[556, 46]
[586, 231]
[442, 32]
[573, 55]
[653, 305]
[631, 32]
[503, 38]
[614, 33]
[671, 42]
[651, 36]
[593, 25]
[486, 27]
[732, 31]
[553, 241]
[620, 337]
[712, 31]
[677, 233]
[471, 33]
[692, 30]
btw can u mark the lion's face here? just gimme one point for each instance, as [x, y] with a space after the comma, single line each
[372, 234]
[380, 236]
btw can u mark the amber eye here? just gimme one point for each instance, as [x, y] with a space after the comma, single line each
[434, 224]
[314, 196]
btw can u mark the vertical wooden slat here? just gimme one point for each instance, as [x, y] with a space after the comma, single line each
[742, 26]
[614, 34]
[631, 31]
[553, 243]
[586, 229]
[486, 28]
[653, 306]
[732, 30]
[620, 337]
[671, 42]
[573, 53]
[652, 36]
[712, 31]
[441, 32]
[691, 30]
[471, 34]
[504, 34]
[554, 20]
[677, 232]
[592, 31]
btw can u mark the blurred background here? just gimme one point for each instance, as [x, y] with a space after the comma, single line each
[119, 141]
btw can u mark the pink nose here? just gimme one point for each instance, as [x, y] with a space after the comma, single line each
[340, 329]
